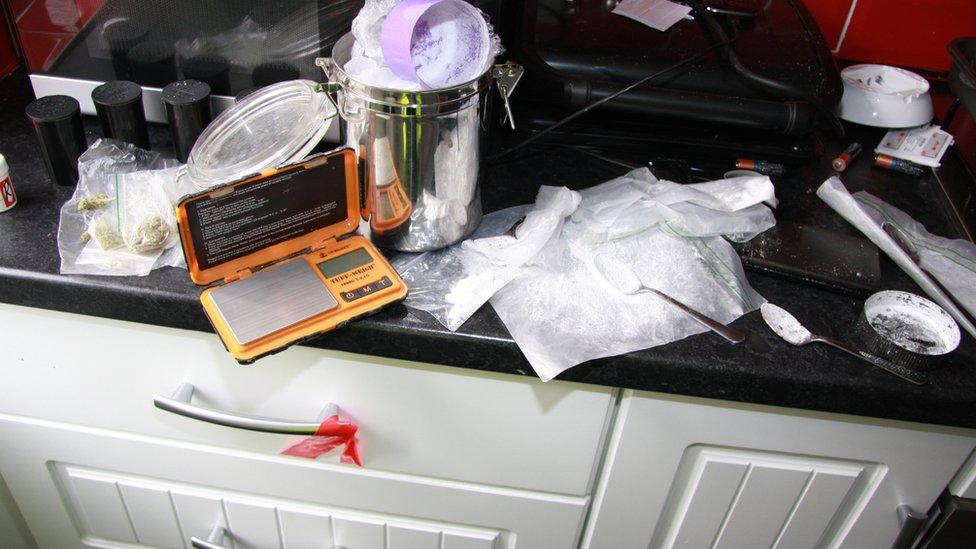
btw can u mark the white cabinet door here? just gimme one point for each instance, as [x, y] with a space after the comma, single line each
[88, 487]
[685, 472]
[13, 532]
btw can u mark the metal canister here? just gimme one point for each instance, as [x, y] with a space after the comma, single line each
[423, 152]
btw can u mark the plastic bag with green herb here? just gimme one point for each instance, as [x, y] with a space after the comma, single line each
[119, 220]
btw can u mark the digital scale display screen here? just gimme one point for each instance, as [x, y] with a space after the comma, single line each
[345, 262]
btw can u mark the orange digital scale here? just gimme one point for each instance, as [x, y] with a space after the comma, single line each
[280, 255]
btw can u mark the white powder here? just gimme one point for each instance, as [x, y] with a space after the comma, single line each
[784, 324]
[618, 274]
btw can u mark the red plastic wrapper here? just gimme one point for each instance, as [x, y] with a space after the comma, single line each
[332, 433]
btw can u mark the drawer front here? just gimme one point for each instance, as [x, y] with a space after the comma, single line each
[417, 419]
[110, 507]
[85, 487]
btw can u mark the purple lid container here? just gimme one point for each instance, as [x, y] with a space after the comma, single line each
[439, 43]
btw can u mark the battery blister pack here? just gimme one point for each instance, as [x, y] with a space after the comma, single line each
[280, 258]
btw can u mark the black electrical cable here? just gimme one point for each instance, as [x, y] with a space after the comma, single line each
[768, 83]
[610, 97]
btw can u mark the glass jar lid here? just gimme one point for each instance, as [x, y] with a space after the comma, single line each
[271, 127]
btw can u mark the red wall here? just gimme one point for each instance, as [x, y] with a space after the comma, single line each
[912, 33]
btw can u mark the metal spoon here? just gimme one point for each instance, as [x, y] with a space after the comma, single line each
[624, 279]
[789, 328]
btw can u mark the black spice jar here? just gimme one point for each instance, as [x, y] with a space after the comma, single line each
[187, 105]
[57, 123]
[119, 108]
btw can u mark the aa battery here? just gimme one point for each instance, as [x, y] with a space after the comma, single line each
[761, 166]
[846, 158]
[898, 165]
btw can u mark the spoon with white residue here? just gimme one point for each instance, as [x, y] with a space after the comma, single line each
[789, 328]
[624, 279]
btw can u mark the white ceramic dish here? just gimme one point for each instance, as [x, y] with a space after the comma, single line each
[885, 97]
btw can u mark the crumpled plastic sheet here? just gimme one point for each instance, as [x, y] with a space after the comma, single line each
[110, 168]
[452, 284]
[562, 312]
[951, 262]
[367, 27]
[543, 284]
[630, 204]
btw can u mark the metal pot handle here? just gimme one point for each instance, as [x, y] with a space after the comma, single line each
[507, 76]
[338, 101]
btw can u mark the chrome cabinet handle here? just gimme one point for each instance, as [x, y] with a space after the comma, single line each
[180, 404]
[214, 541]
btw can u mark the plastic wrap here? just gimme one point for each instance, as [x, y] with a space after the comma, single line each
[366, 27]
[147, 223]
[367, 64]
[433, 277]
[541, 280]
[952, 262]
[562, 312]
[637, 201]
[122, 205]
[452, 284]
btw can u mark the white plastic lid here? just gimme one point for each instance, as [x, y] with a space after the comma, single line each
[3, 165]
[271, 127]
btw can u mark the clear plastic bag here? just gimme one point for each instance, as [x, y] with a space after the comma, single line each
[541, 280]
[637, 201]
[951, 262]
[366, 27]
[561, 311]
[122, 191]
[147, 223]
[433, 276]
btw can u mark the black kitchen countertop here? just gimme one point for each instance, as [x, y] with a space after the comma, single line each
[762, 370]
